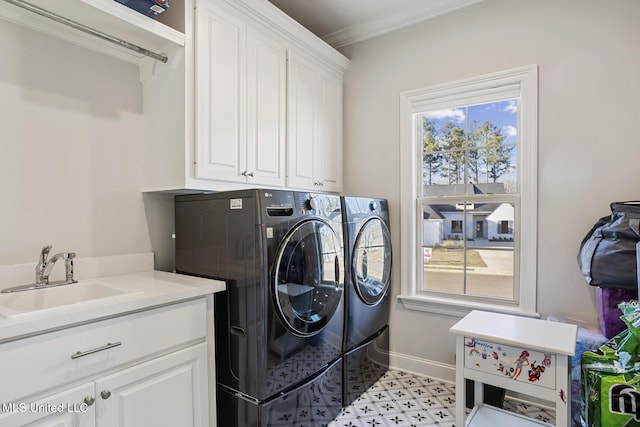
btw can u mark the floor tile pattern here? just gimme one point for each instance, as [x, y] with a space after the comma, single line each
[400, 399]
[313, 406]
[306, 361]
[533, 411]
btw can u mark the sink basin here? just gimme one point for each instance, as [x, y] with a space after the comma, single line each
[18, 303]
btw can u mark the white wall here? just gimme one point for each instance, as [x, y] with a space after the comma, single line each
[589, 89]
[70, 150]
[71, 138]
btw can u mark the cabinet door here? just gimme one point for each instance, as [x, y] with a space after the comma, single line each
[328, 146]
[301, 96]
[220, 107]
[165, 392]
[70, 408]
[266, 89]
[314, 126]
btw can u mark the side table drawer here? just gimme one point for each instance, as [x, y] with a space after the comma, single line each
[517, 363]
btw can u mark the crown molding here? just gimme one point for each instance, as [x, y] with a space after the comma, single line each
[267, 14]
[363, 31]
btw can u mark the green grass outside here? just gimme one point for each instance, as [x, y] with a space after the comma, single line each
[454, 257]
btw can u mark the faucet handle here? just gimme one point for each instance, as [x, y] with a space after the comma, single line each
[42, 263]
[44, 254]
[68, 267]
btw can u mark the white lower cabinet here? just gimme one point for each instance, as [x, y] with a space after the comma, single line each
[70, 408]
[149, 368]
[165, 392]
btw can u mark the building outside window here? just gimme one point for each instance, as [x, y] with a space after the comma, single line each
[504, 228]
[469, 193]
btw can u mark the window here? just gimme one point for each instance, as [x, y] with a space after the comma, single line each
[456, 226]
[469, 194]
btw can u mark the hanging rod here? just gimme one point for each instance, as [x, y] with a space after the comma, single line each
[78, 26]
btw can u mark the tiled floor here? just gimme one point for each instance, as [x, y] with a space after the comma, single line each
[406, 400]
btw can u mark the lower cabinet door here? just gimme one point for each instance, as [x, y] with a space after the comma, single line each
[165, 392]
[71, 408]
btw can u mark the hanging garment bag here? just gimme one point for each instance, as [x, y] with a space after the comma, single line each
[607, 255]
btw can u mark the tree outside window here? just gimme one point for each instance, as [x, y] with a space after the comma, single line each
[469, 151]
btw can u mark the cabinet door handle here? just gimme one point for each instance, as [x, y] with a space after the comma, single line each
[95, 350]
[105, 394]
[89, 400]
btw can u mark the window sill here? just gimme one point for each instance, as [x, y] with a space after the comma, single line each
[457, 307]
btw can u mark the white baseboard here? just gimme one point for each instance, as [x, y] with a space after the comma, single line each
[447, 373]
[416, 365]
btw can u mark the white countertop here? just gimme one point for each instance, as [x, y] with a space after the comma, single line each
[555, 337]
[144, 290]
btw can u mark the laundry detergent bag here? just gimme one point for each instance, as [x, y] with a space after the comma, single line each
[611, 377]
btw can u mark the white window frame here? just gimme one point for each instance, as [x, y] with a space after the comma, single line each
[486, 88]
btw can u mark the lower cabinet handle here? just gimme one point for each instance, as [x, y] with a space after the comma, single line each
[105, 394]
[95, 350]
[89, 400]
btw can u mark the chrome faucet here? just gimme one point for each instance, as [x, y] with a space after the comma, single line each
[43, 270]
[44, 267]
[42, 263]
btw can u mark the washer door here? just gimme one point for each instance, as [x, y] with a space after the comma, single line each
[371, 261]
[308, 280]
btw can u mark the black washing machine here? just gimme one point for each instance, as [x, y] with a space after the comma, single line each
[368, 259]
[279, 323]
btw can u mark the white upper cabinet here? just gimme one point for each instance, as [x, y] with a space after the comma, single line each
[222, 109]
[244, 101]
[301, 122]
[266, 115]
[220, 94]
[240, 90]
[329, 149]
[314, 125]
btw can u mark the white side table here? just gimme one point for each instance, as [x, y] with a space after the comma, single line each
[528, 356]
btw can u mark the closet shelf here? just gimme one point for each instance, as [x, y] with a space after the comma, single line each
[102, 16]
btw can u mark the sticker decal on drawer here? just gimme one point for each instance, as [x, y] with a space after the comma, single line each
[519, 364]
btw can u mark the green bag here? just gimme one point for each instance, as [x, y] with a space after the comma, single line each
[612, 400]
[611, 377]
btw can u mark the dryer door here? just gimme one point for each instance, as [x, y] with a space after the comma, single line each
[308, 279]
[371, 261]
